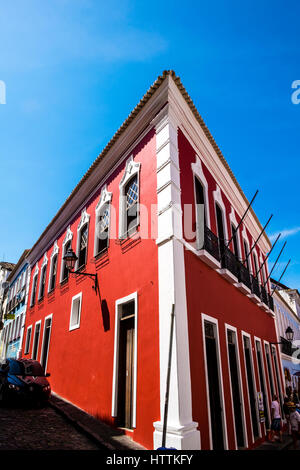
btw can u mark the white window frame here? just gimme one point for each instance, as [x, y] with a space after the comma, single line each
[77, 325]
[118, 313]
[197, 171]
[105, 199]
[240, 384]
[255, 258]
[246, 240]
[54, 253]
[217, 195]
[68, 237]
[234, 223]
[266, 343]
[84, 220]
[266, 385]
[35, 276]
[214, 321]
[38, 342]
[244, 334]
[43, 267]
[42, 349]
[28, 340]
[132, 169]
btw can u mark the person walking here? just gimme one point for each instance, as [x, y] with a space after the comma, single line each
[295, 425]
[276, 420]
[287, 411]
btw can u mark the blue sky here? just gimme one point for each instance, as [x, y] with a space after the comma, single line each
[74, 69]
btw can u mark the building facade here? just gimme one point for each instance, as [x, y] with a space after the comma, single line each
[5, 270]
[15, 309]
[156, 217]
[287, 311]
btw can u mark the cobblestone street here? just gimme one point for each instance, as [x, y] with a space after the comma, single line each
[39, 429]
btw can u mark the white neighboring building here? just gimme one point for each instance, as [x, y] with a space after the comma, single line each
[14, 309]
[287, 311]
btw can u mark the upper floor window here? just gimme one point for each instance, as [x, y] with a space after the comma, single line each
[67, 244]
[247, 260]
[102, 226]
[220, 226]
[34, 286]
[53, 267]
[53, 272]
[83, 246]
[235, 241]
[43, 277]
[220, 213]
[255, 263]
[65, 271]
[82, 239]
[132, 197]
[129, 199]
[200, 212]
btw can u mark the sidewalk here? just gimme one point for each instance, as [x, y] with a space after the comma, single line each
[106, 436]
[286, 442]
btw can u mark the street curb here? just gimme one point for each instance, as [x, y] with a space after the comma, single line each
[117, 442]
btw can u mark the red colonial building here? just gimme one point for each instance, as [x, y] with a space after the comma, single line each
[153, 217]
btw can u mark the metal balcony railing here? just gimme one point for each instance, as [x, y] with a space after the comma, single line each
[229, 261]
[254, 286]
[244, 275]
[211, 243]
[264, 295]
[271, 302]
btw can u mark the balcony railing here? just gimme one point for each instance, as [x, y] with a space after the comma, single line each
[211, 243]
[255, 286]
[229, 261]
[271, 302]
[264, 295]
[244, 275]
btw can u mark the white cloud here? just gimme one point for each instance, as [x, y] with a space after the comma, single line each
[285, 233]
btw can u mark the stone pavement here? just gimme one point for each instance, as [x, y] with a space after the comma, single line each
[284, 445]
[30, 429]
[106, 436]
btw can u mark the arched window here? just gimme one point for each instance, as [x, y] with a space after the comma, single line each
[129, 217]
[220, 227]
[83, 239]
[102, 226]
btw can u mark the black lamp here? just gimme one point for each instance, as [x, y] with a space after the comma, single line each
[70, 259]
[289, 332]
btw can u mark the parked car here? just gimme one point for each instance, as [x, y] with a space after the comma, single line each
[24, 380]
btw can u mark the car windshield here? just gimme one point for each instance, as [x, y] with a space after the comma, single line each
[33, 368]
[16, 368]
[25, 368]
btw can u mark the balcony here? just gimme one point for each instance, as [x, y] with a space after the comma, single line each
[229, 265]
[210, 253]
[255, 292]
[271, 302]
[244, 284]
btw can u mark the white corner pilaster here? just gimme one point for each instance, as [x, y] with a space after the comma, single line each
[182, 432]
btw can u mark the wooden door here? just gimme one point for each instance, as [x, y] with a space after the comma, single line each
[126, 372]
